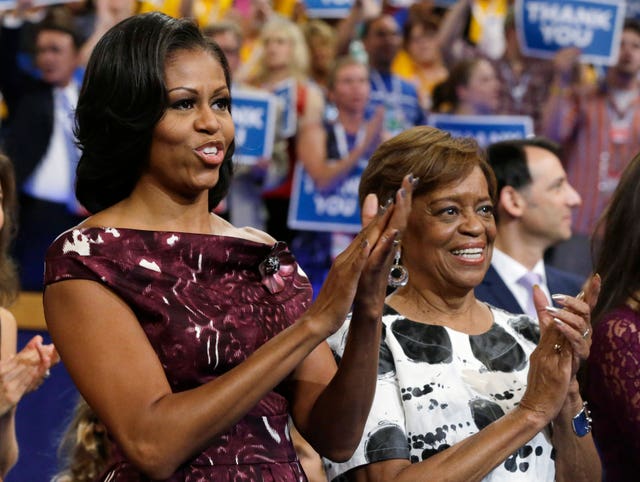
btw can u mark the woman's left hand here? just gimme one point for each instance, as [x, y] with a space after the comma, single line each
[574, 319]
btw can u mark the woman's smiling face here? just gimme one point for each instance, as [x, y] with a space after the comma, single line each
[191, 139]
[450, 235]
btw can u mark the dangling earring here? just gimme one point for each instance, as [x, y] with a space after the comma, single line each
[398, 275]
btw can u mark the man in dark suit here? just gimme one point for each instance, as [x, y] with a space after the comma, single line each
[533, 213]
[39, 138]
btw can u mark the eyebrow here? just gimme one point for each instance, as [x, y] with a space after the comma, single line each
[455, 199]
[195, 91]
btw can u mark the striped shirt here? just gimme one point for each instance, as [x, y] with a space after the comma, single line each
[598, 144]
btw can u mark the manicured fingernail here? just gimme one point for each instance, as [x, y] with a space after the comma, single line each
[414, 181]
[552, 309]
[558, 321]
[403, 192]
[559, 297]
[382, 209]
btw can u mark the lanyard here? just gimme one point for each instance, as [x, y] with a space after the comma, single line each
[341, 139]
[392, 96]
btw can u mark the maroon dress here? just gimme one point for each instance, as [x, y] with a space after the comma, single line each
[206, 303]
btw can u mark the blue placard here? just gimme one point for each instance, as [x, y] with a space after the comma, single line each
[334, 210]
[485, 129]
[254, 114]
[286, 92]
[12, 4]
[328, 8]
[593, 26]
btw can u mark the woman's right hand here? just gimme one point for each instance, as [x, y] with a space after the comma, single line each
[550, 370]
[24, 372]
[360, 272]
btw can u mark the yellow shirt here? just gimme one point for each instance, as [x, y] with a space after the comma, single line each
[480, 10]
[205, 11]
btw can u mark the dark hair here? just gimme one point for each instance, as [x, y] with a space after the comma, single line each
[8, 274]
[618, 254]
[508, 159]
[123, 97]
[632, 24]
[367, 24]
[459, 75]
[434, 156]
[60, 19]
[420, 14]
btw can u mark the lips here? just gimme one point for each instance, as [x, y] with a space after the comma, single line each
[211, 152]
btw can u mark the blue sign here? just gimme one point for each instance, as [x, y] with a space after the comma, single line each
[328, 8]
[593, 26]
[334, 210]
[254, 114]
[12, 4]
[286, 92]
[485, 129]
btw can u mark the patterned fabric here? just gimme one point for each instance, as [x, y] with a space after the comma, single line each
[526, 93]
[206, 303]
[613, 393]
[596, 152]
[437, 386]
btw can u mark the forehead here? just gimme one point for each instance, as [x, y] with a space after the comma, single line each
[542, 163]
[383, 24]
[482, 67]
[190, 64]
[475, 184]
[226, 38]
[57, 37]
[631, 35]
[351, 70]
[277, 35]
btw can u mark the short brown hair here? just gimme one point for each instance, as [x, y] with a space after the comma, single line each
[430, 154]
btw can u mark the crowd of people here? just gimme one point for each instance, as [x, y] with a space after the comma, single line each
[487, 307]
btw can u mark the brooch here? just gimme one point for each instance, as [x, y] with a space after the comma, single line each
[277, 265]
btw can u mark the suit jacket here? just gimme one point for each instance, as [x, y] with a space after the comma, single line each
[31, 109]
[494, 291]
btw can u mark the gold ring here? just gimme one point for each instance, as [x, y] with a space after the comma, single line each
[557, 347]
[586, 333]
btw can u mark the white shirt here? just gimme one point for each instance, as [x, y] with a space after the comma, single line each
[52, 179]
[511, 271]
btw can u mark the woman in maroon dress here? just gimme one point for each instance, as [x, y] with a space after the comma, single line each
[194, 341]
[613, 376]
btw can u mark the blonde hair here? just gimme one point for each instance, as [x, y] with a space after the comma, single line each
[299, 64]
[85, 447]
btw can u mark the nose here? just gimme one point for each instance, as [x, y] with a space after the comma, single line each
[472, 224]
[207, 120]
[573, 198]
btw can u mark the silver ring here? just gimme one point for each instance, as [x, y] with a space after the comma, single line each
[557, 347]
[47, 374]
[586, 333]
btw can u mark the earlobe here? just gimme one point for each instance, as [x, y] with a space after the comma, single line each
[511, 201]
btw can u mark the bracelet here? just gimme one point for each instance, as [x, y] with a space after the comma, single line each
[581, 422]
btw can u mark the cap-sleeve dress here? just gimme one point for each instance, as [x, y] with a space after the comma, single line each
[206, 303]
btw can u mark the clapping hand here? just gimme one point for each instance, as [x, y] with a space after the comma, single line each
[25, 371]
